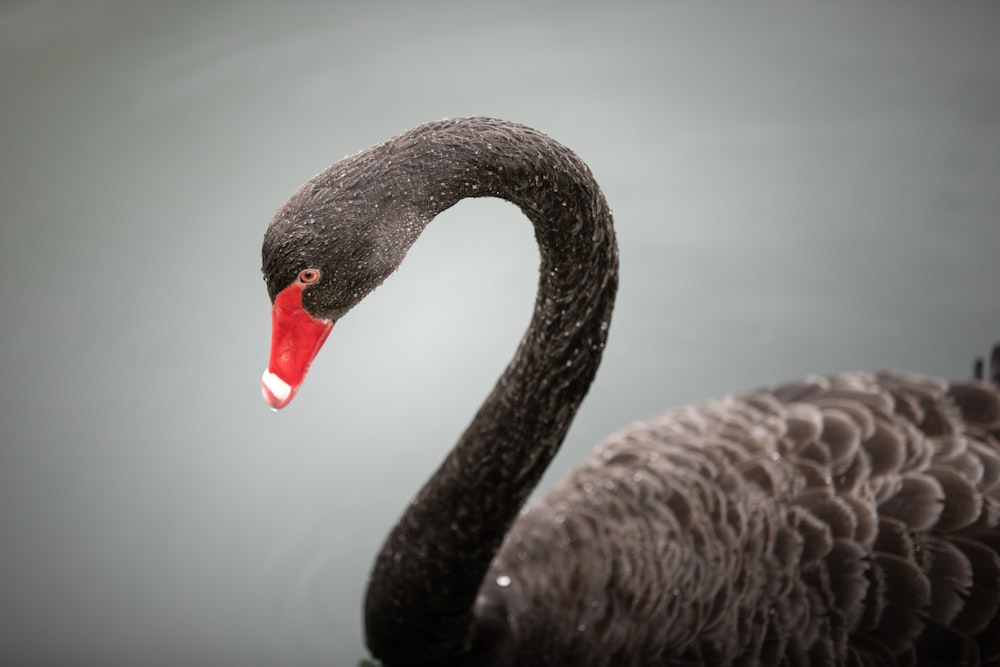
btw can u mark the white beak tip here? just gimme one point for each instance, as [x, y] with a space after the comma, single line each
[277, 392]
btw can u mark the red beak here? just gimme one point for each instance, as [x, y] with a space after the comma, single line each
[296, 337]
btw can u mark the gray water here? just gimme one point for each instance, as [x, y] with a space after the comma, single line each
[798, 187]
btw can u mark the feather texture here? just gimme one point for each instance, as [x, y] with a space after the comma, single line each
[844, 520]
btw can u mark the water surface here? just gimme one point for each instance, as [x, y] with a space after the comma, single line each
[798, 188]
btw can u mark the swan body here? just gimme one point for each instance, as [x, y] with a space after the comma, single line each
[843, 520]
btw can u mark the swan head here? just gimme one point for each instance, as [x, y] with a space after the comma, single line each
[326, 248]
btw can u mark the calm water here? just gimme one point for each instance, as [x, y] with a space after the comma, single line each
[798, 188]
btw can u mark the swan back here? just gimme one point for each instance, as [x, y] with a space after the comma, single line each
[835, 520]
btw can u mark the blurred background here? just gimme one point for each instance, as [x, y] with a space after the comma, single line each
[798, 187]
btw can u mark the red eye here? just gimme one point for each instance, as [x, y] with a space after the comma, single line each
[308, 276]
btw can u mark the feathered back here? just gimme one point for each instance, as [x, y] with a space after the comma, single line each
[843, 520]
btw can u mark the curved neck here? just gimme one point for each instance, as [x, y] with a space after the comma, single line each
[426, 578]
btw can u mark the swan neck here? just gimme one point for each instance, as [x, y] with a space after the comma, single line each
[424, 585]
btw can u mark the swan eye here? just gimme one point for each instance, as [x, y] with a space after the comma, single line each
[308, 276]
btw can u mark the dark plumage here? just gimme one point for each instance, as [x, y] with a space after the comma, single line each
[845, 520]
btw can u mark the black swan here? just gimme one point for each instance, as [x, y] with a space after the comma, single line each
[844, 520]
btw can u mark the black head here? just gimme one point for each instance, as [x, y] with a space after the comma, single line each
[354, 237]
